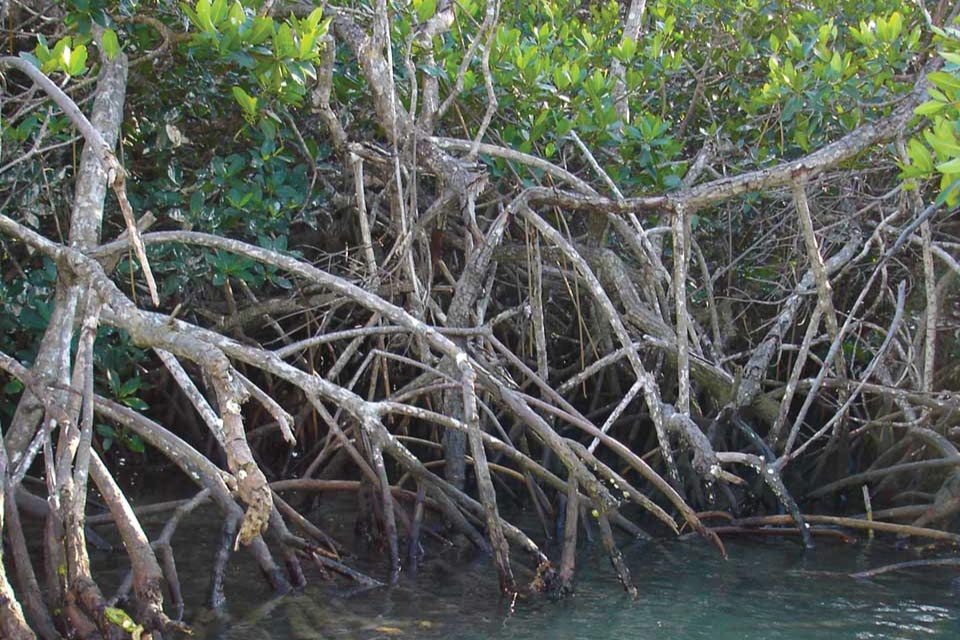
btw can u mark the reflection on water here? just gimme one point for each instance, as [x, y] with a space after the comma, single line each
[767, 589]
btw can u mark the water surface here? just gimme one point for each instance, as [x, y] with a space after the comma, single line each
[767, 588]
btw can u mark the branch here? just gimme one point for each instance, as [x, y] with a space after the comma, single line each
[781, 175]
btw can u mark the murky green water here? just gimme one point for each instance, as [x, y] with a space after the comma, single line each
[767, 589]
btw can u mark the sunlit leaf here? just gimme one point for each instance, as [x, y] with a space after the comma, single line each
[951, 166]
[944, 80]
[425, 9]
[111, 46]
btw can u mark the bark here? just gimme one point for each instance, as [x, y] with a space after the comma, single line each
[12, 623]
[631, 31]
[96, 160]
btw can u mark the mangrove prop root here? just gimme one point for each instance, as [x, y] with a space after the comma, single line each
[416, 363]
[779, 531]
[854, 523]
[900, 566]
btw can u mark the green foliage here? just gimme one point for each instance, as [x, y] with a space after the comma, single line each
[81, 15]
[69, 54]
[26, 301]
[823, 78]
[935, 153]
[129, 440]
[247, 104]
[560, 58]
[774, 79]
[65, 56]
[227, 266]
[220, 138]
[111, 45]
[122, 619]
[125, 390]
[424, 9]
[279, 56]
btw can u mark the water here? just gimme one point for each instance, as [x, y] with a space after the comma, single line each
[767, 589]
